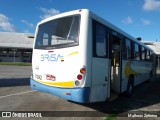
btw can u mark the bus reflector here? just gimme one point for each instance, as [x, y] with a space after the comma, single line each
[79, 77]
[68, 93]
[83, 71]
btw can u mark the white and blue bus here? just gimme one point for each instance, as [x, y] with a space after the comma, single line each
[79, 56]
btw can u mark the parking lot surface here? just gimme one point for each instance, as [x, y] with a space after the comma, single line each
[16, 95]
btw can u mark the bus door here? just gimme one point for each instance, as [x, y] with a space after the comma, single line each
[116, 67]
[100, 62]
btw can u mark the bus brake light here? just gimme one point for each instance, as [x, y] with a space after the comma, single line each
[79, 77]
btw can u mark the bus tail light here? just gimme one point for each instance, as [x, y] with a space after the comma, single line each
[79, 77]
[83, 71]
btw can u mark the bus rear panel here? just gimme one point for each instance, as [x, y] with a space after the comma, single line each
[57, 64]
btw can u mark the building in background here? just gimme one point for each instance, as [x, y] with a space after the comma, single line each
[16, 47]
[155, 46]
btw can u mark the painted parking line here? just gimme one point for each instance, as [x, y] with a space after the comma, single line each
[17, 94]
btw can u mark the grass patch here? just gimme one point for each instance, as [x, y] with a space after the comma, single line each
[16, 63]
[111, 117]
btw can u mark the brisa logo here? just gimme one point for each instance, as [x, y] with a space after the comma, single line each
[51, 57]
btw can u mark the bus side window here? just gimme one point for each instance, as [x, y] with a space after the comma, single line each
[127, 49]
[136, 52]
[100, 41]
[148, 55]
[143, 51]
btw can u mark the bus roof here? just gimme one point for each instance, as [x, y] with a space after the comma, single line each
[117, 29]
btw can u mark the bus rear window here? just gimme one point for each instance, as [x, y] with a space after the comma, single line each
[58, 33]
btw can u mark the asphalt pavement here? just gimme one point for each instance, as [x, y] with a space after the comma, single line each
[16, 95]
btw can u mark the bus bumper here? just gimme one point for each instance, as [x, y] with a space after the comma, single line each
[80, 95]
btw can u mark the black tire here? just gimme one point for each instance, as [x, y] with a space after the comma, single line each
[130, 87]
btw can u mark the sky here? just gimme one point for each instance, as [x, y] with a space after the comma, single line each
[139, 18]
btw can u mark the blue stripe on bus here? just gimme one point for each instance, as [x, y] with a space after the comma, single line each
[80, 95]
